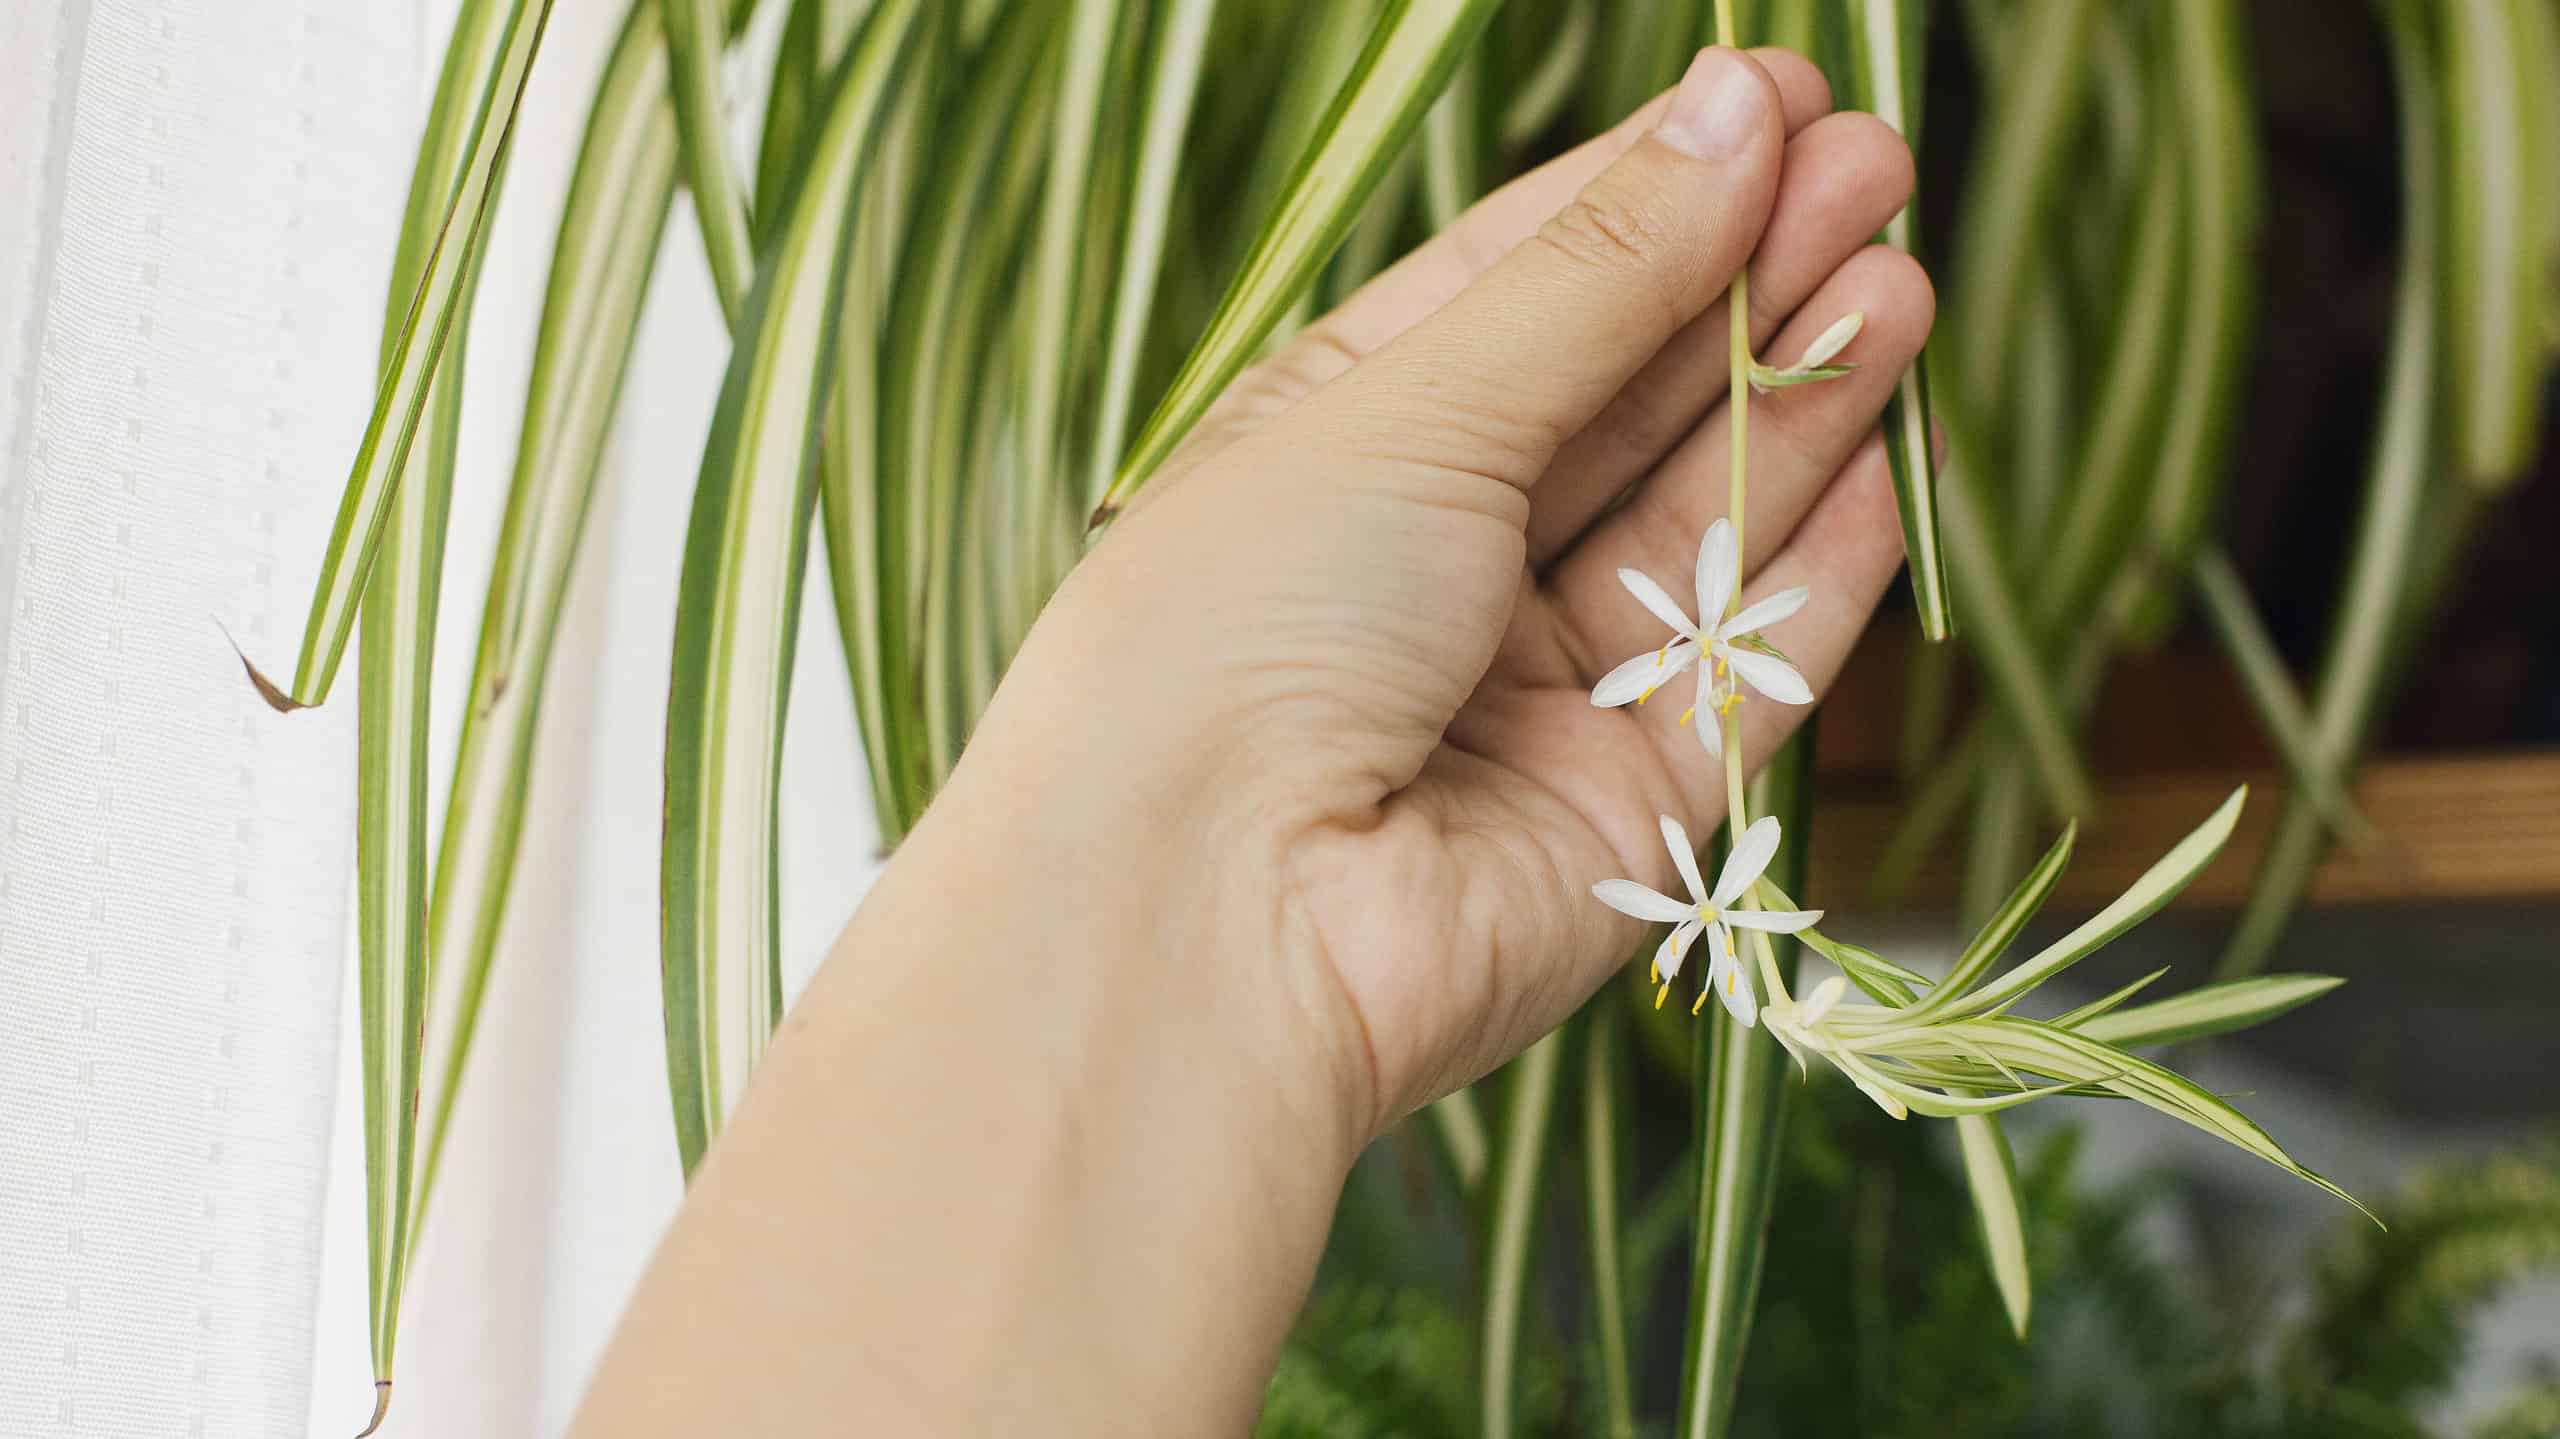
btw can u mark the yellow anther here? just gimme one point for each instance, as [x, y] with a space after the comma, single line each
[1660, 995]
[1684, 716]
[1728, 974]
[1653, 971]
[1701, 1004]
[1648, 694]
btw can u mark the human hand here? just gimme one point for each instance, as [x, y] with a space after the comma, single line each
[1346, 641]
[1285, 818]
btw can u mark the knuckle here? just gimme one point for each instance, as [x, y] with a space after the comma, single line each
[1599, 231]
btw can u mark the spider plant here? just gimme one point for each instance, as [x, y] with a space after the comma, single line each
[991, 263]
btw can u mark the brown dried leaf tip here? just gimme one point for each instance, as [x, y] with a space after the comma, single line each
[275, 696]
[381, 1387]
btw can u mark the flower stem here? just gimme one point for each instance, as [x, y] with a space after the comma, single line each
[1738, 362]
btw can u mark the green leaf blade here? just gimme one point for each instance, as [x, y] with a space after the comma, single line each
[738, 610]
[1415, 47]
[436, 299]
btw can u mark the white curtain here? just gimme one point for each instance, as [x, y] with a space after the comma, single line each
[197, 205]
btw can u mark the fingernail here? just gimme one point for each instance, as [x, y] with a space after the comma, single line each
[1716, 108]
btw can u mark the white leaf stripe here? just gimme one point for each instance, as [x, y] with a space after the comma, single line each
[738, 609]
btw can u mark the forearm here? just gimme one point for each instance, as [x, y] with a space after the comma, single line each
[979, 1182]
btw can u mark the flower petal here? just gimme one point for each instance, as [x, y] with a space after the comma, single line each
[1730, 981]
[1742, 868]
[1719, 570]
[1818, 1003]
[1674, 949]
[1655, 598]
[1685, 857]
[1773, 921]
[1832, 341]
[1769, 675]
[1761, 614]
[1629, 682]
[1710, 728]
[1630, 898]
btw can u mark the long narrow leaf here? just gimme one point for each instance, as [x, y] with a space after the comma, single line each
[485, 71]
[2002, 928]
[697, 33]
[932, 360]
[1410, 55]
[2041, 1048]
[737, 615]
[610, 227]
[1998, 626]
[1742, 1088]
[851, 489]
[2022, 151]
[1991, 1178]
[2214, 1009]
[1529, 1097]
[397, 609]
[1600, 1110]
[2281, 712]
[2218, 131]
[1175, 55]
[2157, 886]
[2379, 568]
[2495, 260]
[1074, 132]
[1886, 57]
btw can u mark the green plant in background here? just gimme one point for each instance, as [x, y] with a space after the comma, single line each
[1877, 1316]
[947, 316]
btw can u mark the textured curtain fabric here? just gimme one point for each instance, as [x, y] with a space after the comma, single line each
[198, 200]
[196, 205]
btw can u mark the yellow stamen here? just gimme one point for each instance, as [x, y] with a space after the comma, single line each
[1653, 971]
[1701, 1004]
[1728, 974]
[1684, 716]
[1661, 994]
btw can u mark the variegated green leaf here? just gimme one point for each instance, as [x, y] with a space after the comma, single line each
[2217, 128]
[2107, 1003]
[2157, 886]
[1998, 627]
[2281, 712]
[2214, 1009]
[697, 34]
[1741, 1089]
[1410, 55]
[2497, 181]
[2382, 564]
[1886, 40]
[2022, 151]
[610, 227]
[737, 613]
[933, 362]
[1519, 1168]
[1600, 1120]
[2002, 927]
[397, 600]
[2043, 1049]
[469, 131]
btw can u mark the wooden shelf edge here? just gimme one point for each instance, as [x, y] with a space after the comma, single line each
[2454, 827]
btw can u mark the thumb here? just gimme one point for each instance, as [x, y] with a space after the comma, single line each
[1529, 353]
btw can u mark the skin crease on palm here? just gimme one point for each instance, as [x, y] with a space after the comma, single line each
[1285, 819]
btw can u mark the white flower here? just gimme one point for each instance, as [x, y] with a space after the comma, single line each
[1732, 648]
[1710, 911]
